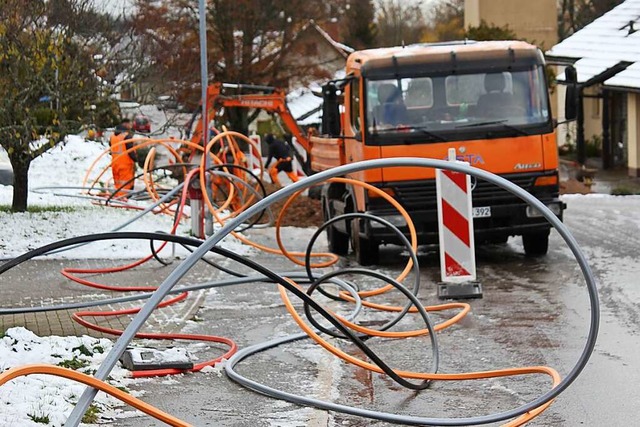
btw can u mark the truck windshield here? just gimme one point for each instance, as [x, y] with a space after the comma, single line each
[458, 106]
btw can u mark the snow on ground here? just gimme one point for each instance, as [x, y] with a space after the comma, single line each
[29, 401]
[74, 215]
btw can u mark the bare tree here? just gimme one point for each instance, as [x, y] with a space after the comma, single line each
[247, 39]
[446, 21]
[247, 43]
[399, 23]
[358, 28]
[46, 84]
[575, 14]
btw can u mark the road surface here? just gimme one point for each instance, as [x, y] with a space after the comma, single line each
[534, 312]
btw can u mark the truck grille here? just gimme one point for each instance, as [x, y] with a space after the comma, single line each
[422, 195]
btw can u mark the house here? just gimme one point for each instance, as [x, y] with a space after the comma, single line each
[606, 55]
[533, 21]
[314, 49]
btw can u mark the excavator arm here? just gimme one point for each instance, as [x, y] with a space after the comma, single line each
[272, 100]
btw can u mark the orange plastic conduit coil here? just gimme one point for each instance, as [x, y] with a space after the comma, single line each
[156, 413]
[215, 211]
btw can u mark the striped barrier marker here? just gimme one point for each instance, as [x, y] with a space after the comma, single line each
[455, 229]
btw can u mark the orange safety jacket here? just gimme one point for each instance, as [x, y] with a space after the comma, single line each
[122, 165]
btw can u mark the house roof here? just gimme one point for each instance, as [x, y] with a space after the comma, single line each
[303, 102]
[629, 78]
[613, 40]
[340, 47]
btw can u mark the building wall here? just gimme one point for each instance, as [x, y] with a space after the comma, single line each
[535, 21]
[633, 133]
[592, 113]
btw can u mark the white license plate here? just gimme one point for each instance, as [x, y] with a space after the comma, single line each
[481, 212]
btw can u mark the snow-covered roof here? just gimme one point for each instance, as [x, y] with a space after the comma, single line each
[612, 39]
[302, 101]
[589, 68]
[341, 47]
[629, 78]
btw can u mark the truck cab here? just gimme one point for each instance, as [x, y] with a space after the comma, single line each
[488, 100]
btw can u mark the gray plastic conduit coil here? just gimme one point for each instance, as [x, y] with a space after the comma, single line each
[123, 341]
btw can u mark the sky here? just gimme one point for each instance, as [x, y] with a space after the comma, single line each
[115, 7]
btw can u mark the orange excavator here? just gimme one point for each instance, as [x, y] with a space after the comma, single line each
[319, 154]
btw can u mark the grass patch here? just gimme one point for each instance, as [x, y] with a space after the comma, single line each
[41, 209]
[40, 419]
[82, 349]
[74, 363]
[624, 191]
[92, 416]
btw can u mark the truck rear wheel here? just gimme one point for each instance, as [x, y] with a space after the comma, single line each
[365, 250]
[536, 244]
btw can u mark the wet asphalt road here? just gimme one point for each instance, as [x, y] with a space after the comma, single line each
[534, 312]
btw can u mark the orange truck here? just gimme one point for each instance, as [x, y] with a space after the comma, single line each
[488, 100]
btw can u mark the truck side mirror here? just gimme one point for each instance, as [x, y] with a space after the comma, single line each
[571, 99]
[331, 120]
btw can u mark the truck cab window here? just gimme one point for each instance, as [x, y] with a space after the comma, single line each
[419, 93]
[386, 105]
[439, 104]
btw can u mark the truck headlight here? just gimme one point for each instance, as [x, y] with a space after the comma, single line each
[535, 213]
[397, 220]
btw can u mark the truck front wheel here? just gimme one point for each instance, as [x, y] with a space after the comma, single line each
[338, 241]
[536, 244]
[365, 250]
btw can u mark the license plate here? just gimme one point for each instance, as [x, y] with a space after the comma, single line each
[481, 212]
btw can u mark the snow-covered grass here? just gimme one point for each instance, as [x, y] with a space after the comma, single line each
[38, 400]
[64, 212]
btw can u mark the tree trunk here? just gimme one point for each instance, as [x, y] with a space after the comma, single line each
[20, 184]
[238, 121]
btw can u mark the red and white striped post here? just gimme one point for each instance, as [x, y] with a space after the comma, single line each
[455, 229]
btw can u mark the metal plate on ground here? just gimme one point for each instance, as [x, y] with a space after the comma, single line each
[144, 359]
[466, 290]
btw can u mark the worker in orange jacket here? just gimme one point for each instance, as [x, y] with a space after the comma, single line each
[122, 162]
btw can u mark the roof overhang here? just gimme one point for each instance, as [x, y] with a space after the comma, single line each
[593, 71]
[627, 80]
